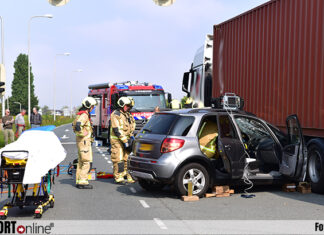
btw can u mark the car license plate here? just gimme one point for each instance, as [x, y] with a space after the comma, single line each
[146, 147]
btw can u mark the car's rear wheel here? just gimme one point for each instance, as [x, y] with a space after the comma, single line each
[197, 174]
[316, 168]
[150, 186]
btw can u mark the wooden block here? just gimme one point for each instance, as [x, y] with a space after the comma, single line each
[304, 184]
[221, 189]
[304, 187]
[231, 191]
[303, 190]
[289, 187]
[210, 195]
[223, 195]
[189, 198]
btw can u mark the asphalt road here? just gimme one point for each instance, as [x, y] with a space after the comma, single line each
[110, 201]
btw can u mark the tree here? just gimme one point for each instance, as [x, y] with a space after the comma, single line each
[19, 85]
[45, 110]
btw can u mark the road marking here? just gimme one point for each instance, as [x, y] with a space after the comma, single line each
[144, 204]
[68, 142]
[67, 130]
[109, 162]
[64, 137]
[103, 155]
[160, 223]
[106, 158]
[132, 189]
[112, 166]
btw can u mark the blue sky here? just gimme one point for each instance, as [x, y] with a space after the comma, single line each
[110, 40]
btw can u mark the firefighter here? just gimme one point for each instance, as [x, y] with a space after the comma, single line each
[188, 103]
[175, 104]
[207, 136]
[121, 138]
[83, 130]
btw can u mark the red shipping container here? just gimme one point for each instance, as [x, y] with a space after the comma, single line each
[273, 57]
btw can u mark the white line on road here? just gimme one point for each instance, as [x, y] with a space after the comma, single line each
[67, 130]
[160, 223]
[109, 162]
[132, 189]
[112, 166]
[106, 158]
[103, 155]
[144, 204]
[68, 142]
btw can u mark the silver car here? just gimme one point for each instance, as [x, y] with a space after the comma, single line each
[167, 151]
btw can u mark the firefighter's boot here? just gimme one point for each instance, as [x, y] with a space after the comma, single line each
[119, 179]
[130, 179]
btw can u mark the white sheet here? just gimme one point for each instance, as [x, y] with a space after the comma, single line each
[45, 152]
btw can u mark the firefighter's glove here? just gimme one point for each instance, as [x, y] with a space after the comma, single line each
[128, 146]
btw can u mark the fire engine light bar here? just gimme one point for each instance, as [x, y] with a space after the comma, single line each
[157, 87]
[122, 87]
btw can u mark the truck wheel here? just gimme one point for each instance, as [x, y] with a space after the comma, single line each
[195, 173]
[316, 168]
[150, 186]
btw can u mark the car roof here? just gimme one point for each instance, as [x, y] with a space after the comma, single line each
[203, 111]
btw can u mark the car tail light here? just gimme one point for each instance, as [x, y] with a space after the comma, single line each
[171, 144]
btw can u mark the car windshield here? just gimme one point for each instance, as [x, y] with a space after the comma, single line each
[148, 101]
[159, 124]
[251, 127]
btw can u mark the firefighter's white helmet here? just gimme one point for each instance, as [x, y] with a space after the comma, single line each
[125, 101]
[88, 102]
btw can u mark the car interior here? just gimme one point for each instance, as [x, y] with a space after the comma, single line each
[208, 137]
[264, 152]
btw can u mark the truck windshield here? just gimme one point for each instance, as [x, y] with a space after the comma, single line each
[148, 101]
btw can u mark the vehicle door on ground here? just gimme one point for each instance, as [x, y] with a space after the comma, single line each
[230, 147]
[294, 156]
[260, 145]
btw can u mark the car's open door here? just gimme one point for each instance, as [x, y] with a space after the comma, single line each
[294, 157]
[230, 147]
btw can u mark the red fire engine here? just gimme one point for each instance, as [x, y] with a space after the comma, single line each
[146, 96]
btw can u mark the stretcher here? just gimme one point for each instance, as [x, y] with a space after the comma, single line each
[28, 174]
[12, 174]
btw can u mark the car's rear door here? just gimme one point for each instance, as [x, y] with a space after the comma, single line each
[294, 157]
[230, 147]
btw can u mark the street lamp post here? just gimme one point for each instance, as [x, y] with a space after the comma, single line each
[77, 71]
[19, 106]
[54, 103]
[43, 16]
[2, 61]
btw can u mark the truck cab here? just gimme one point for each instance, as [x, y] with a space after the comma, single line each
[146, 96]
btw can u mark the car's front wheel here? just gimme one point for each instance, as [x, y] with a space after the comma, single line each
[150, 186]
[195, 173]
[316, 168]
